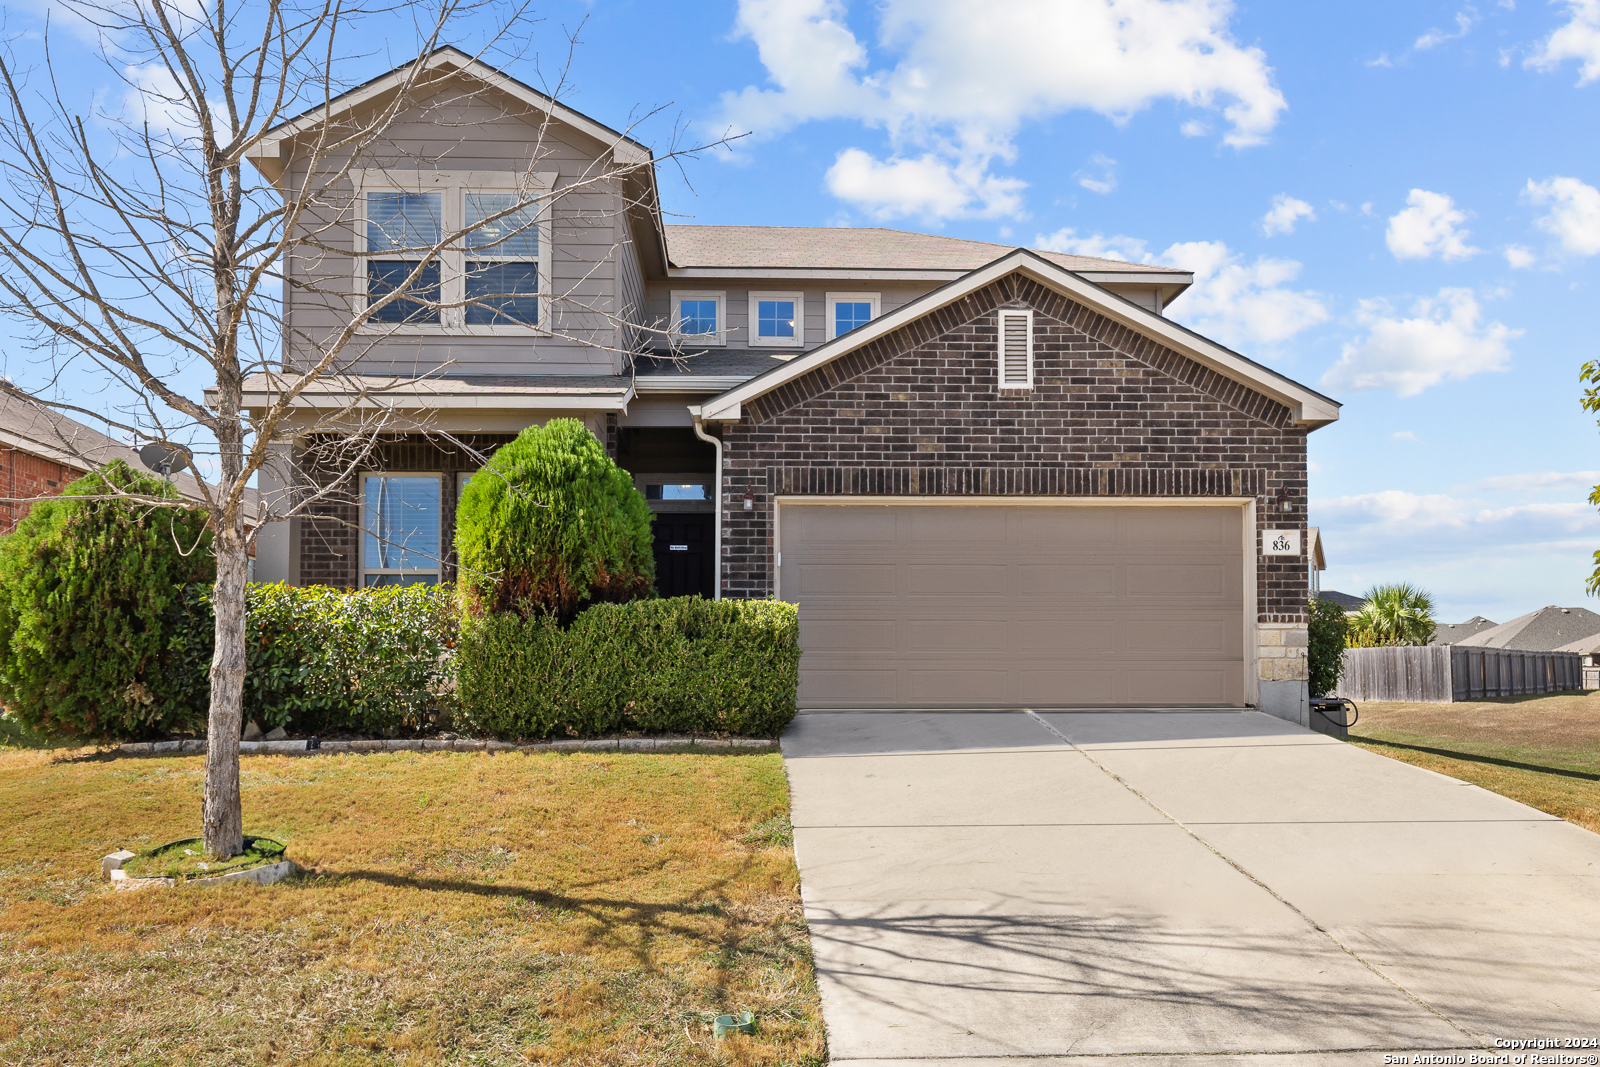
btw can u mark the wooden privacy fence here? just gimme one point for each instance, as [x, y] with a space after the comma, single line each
[1444, 673]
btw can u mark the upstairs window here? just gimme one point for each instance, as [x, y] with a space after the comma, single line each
[777, 319]
[849, 311]
[401, 229]
[1016, 349]
[400, 529]
[698, 318]
[501, 260]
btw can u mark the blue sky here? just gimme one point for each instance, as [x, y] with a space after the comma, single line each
[1394, 202]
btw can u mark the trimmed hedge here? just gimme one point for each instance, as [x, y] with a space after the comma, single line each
[90, 591]
[684, 665]
[320, 661]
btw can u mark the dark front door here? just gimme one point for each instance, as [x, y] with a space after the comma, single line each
[683, 553]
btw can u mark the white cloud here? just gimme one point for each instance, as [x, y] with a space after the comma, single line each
[1541, 480]
[1519, 257]
[1194, 128]
[1428, 225]
[1130, 249]
[1383, 60]
[1235, 302]
[1402, 435]
[1099, 175]
[1574, 216]
[967, 74]
[1284, 213]
[1433, 38]
[1434, 522]
[927, 186]
[1444, 338]
[1578, 39]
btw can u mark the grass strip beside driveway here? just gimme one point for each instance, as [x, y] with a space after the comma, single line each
[457, 908]
[1541, 750]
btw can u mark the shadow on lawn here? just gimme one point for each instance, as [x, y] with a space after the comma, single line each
[1472, 757]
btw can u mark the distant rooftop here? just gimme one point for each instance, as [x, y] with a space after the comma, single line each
[1539, 631]
[1344, 600]
[1453, 633]
[865, 248]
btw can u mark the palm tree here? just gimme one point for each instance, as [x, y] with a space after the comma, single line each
[1399, 614]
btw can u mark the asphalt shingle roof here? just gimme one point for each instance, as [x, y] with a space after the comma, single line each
[1539, 631]
[864, 248]
[1453, 633]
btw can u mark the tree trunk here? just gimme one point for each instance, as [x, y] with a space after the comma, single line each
[221, 813]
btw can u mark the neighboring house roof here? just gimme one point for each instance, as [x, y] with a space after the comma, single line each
[1314, 540]
[714, 370]
[1544, 630]
[716, 251]
[48, 433]
[1453, 633]
[1344, 600]
[1307, 407]
[1586, 646]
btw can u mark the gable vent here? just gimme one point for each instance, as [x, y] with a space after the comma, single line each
[1016, 349]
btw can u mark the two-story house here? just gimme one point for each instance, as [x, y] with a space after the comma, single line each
[989, 476]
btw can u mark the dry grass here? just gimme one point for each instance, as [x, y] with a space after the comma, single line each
[459, 908]
[1543, 751]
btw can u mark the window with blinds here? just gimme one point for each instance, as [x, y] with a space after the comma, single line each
[1016, 349]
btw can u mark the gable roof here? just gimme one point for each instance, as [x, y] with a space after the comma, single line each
[707, 251]
[1584, 646]
[1306, 406]
[270, 157]
[1344, 600]
[1538, 631]
[1453, 633]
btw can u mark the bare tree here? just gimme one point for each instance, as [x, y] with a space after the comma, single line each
[142, 253]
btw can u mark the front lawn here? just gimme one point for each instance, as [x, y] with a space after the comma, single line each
[459, 908]
[1542, 750]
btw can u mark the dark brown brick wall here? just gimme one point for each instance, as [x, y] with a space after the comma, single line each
[330, 532]
[919, 412]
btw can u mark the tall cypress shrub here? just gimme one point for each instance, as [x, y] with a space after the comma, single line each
[552, 525]
[91, 592]
[1328, 630]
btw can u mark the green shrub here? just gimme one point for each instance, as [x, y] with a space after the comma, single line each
[89, 590]
[1325, 657]
[552, 524]
[1399, 614]
[319, 661]
[684, 665]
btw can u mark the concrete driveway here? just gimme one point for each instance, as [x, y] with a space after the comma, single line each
[1195, 885]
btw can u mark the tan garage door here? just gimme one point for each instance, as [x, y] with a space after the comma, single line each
[973, 606]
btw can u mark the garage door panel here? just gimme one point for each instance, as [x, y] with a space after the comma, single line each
[845, 579]
[847, 635]
[955, 579]
[1080, 580]
[1005, 606]
[936, 635]
[1177, 579]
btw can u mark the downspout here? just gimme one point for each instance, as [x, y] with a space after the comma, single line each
[716, 443]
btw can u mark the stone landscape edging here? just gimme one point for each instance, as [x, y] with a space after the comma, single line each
[266, 874]
[303, 747]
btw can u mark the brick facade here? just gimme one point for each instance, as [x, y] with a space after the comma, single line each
[919, 412]
[330, 533]
[23, 474]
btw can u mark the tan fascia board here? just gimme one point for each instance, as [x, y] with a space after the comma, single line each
[1176, 282]
[708, 384]
[1307, 408]
[421, 400]
[270, 154]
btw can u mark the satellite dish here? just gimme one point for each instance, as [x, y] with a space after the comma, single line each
[165, 458]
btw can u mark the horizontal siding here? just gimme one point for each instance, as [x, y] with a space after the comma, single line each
[483, 135]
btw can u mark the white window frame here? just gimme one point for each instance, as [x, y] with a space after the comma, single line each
[754, 325]
[1000, 347]
[437, 570]
[830, 326]
[711, 340]
[454, 185]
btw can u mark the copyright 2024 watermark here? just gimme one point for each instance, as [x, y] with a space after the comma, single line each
[1514, 1051]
